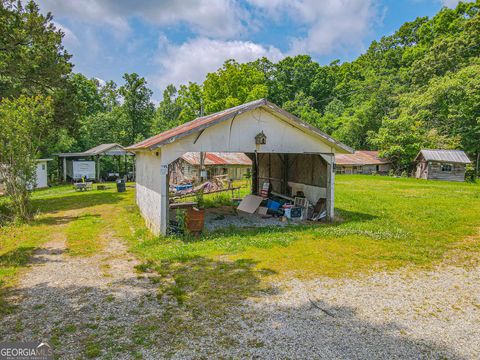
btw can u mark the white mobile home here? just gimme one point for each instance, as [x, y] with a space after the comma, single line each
[78, 169]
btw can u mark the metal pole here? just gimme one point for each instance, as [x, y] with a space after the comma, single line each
[476, 167]
[64, 169]
[201, 166]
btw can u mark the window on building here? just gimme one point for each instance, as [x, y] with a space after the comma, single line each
[43, 166]
[447, 167]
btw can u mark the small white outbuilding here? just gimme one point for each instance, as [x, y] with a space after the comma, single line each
[41, 180]
[41, 176]
[286, 152]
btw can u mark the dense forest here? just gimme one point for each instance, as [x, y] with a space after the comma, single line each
[418, 88]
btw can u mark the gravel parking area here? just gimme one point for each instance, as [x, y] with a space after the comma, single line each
[430, 314]
[100, 307]
[401, 315]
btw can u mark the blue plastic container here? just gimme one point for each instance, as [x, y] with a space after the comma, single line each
[273, 204]
[183, 187]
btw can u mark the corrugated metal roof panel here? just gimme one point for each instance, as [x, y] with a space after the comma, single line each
[360, 157]
[97, 150]
[454, 156]
[218, 158]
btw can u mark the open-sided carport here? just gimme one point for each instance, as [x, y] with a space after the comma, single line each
[288, 153]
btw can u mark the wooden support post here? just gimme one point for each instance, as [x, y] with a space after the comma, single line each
[200, 177]
[64, 169]
[119, 163]
[255, 174]
[330, 189]
[164, 208]
[476, 166]
[97, 168]
[285, 174]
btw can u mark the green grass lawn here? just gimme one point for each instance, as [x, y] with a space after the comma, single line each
[382, 223]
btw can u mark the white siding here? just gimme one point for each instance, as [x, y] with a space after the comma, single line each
[238, 135]
[42, 176]
[148, 189]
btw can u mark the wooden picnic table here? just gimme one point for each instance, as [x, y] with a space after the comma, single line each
[83, 186]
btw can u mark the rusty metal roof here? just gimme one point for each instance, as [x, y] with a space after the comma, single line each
[453, 156]
[98, 150]
[204, 122]
[360, 157]
[218, 158]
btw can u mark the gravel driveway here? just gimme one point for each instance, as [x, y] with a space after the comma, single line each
[99, 306]
[82, 306]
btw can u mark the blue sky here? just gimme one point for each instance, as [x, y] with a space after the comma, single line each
[169, 41]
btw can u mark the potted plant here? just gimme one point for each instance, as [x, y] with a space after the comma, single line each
[195, 218]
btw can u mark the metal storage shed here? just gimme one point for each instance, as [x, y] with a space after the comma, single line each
[188, 166]
[362, 162]
[285, 151]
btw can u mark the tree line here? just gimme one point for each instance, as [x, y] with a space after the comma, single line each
[418, 88]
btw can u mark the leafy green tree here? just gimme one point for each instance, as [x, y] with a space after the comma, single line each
[106, 127]
[451, 105]
[291, 75]
[109, 95]
[87, 94]
[232, 85]
[302, 106]
[33, 60]
[168, 111]
[137, 106]
[25, 123]
[190, 99]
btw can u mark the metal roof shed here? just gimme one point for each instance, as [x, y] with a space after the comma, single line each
[285, 151]
[449, 165]
[112, 149]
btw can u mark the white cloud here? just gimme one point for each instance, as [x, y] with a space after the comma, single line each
[69, 38]
[219, 18]
[329, 25]
[192, 60]
[450, 3]
[101, 82]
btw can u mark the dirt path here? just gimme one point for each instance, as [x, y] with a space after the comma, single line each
[83, 306]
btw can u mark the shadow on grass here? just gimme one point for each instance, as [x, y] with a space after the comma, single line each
[76, 201]
[61, 220]
[194, 281]
[18, 257]
[13, 260]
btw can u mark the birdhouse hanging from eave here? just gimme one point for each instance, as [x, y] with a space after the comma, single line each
[261, 138]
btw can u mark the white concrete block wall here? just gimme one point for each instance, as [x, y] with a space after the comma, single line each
[148, 189]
